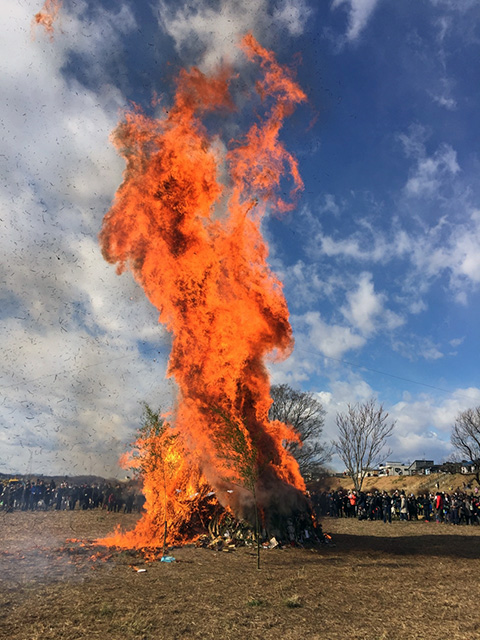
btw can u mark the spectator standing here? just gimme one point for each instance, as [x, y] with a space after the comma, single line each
[403, 507]
[387, 507]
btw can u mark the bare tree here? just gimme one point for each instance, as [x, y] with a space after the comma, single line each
[362, 434]
[466, 437]
[306, 415]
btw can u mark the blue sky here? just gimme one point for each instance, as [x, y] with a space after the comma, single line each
[380, 259]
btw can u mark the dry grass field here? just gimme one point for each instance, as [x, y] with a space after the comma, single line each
[406, 580]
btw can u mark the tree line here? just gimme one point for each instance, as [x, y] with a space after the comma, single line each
[363, 433]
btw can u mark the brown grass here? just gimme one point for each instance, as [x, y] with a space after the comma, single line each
[379, 582]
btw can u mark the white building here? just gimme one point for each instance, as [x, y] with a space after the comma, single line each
[394, 469]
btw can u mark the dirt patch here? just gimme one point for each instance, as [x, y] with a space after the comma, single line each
[390, 582]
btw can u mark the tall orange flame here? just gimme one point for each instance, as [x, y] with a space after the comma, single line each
[196, 247]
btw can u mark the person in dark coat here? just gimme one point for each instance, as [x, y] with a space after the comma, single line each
[426, 507]
[387, 507]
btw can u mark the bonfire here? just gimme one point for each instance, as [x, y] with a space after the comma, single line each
[186, 221]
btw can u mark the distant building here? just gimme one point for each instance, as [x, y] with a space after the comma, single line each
[394, 469]
[450, 467]
[436, 468]
[420, 466]
[468, 466]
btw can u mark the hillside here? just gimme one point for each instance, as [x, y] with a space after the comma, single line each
[412, 484]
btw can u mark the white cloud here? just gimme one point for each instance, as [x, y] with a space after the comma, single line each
[444, 24]
[365, 308]
[360, 12]
[442, 84]
[417, 306]
[456, 342]
[425, 424]
[351, 390]
[306, 285]
[367, 244]
[431, 353]
[329, 205]
[363, 305]
[355, 248]
[418, 348]
[209, 35]
[445, 101]
[465, 254]
[456, 253]
[325, 398]
[293, 14]
[331, 340]
[431, 171]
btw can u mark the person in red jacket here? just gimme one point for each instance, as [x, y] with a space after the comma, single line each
[352, 498]
[439, 507]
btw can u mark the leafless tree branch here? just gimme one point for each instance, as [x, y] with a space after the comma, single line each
[362, 434]
[466, 436]
[306, 415]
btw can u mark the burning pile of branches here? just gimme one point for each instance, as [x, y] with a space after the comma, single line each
[181, 507]
[225, 532]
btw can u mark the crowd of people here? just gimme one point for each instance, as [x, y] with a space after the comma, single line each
[40, 495]
[456, 507]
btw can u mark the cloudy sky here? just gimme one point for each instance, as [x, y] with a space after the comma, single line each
[380, 259]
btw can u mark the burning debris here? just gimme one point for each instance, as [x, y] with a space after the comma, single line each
[194, 244]
[226, 533]
[48, 15]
